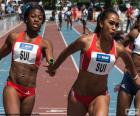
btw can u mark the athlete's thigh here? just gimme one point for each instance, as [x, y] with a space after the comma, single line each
[11, 101]
[75, 108]
[99, 106]
[137, 101]
[123, 102]
[27, 105]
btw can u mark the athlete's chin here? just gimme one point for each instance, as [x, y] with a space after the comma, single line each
[35, 29]
[113, 33]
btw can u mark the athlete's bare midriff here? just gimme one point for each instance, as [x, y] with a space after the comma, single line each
[86, 82]
[23, 74]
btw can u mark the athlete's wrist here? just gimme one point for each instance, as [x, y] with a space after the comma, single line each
[51, 61]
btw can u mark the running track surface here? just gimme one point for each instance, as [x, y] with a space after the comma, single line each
[52, 92]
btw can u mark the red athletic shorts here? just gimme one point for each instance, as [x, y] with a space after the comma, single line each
[86, 100]
[22, 92]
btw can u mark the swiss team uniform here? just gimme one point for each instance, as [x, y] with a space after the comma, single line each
[96, 62]
[28, 53]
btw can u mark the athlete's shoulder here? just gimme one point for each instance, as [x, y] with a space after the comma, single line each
[87, 37]
[83, 41]
[13, 36]
[133, 34]
[45, 42]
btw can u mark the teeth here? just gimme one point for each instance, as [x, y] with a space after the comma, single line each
[35, 25]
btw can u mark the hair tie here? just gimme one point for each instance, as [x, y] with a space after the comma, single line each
[27, 7]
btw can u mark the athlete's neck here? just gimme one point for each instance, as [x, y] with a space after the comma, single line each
[31, 34]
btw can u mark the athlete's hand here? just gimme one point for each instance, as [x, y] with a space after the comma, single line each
[49, 70]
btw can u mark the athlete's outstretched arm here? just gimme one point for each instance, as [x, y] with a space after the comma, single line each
[77, 45]
[48, 50]
[130, 37]
[122, 52]
[6, 47]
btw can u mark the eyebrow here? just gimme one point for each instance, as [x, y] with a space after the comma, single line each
[113, 21]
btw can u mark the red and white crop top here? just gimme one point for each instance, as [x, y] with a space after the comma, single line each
[28, 53]
[97, 62]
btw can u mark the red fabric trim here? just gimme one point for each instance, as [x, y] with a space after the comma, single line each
[22, 91]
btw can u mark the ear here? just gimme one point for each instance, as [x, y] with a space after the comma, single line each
[26, 20]
[101, 24]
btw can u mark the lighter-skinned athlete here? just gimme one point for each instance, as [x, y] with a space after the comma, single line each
[99, 51]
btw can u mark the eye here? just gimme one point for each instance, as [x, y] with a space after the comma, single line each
[40, 17]
[112, 23]
[32, 16]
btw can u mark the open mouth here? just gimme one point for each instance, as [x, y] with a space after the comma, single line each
[35, 26]
[113, 33]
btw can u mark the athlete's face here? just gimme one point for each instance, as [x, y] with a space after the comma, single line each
[35, 19]
[110, 25]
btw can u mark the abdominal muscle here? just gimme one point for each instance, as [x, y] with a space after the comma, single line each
[23, 74]
[90, 84]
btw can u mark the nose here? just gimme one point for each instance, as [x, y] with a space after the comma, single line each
[114, 28]
[114, 25]
[36, 19]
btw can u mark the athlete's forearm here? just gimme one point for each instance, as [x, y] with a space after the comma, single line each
[130, 65]
[5, 49]
[59, 60]
[4, 53]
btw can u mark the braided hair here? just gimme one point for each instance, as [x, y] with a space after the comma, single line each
[32, 7]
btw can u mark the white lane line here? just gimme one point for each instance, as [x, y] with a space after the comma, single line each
[44, 29]
[52, 113]
[11, 29]
[76, 31]
[118, 69]
[55, 111]
[51, 108]
[66, 46]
